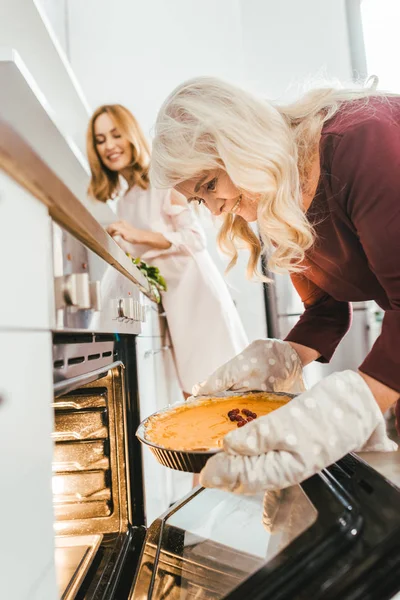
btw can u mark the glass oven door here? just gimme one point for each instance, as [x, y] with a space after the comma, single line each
[311, 541]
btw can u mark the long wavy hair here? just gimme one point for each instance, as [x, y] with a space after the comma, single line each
[267, 150]
[104, 183]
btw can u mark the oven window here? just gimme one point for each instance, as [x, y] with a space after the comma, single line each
[217, 540]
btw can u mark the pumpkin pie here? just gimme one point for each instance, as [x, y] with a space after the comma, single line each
[201, 425]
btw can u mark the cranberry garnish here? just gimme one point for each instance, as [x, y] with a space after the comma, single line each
[241, 423]
[250, 419]
[239, 418]
[232, 417]
[246, 412]
[234, 411]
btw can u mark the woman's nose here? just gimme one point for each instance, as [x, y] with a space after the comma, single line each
[109, 145]
[216, 206]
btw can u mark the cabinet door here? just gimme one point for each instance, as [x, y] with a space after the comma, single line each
[155, 324]
[26, 299]
[157, 378]
[26, 423]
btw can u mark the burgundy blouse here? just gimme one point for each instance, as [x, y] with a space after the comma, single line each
[356, 216]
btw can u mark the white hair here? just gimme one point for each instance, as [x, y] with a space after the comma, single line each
[265, 149]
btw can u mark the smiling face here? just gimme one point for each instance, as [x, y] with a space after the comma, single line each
[114, 150]
[219, 194]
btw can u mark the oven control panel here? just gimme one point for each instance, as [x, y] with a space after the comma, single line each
[90, 294]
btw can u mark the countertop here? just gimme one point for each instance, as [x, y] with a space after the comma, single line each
[386, 463]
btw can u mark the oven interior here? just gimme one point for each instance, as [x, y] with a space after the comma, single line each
[91, 480]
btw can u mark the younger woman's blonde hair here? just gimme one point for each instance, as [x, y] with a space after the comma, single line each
[104, 183]
[266, 150]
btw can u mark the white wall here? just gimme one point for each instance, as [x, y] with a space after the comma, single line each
[289, 42]
[135, 52]
[382, 42]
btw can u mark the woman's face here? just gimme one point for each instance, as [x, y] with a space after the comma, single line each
[114, 149]
[218, 193]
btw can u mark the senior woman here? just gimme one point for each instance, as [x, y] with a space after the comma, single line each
[322, 179]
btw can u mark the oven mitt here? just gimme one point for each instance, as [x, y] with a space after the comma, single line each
[287, 511]
[265, 365]
[336, 416]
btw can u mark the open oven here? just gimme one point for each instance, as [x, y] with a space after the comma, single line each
[97, 473]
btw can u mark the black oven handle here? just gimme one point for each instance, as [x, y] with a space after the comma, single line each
[69, 385]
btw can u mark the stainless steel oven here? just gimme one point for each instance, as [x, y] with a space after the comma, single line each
[97, 472]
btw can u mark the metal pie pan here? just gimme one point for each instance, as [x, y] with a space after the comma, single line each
[191, 461]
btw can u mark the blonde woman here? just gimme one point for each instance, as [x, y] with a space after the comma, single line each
[322, 179]
[160, 228]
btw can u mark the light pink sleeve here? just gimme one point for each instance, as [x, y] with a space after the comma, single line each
[187, 233]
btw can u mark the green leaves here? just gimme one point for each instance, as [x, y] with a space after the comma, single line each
[153, 276]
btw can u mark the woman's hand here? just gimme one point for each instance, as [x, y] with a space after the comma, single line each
[265, 365]
[336, 416]
[127, 232]
[138, 236]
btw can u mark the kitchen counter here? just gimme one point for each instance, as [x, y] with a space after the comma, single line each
[386, 463]
[19, 161]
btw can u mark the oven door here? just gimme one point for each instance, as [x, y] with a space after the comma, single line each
[335, 536]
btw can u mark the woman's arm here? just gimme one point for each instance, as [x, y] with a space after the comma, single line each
[306, 355]
[384, 395]
[156, 240]
[139, 236]
[322, 325]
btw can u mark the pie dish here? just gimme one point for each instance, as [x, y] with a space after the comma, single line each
[185, 435]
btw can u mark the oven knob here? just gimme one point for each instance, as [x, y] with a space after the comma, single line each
[139, 311]
[125, 308]
[72, 290]
[136, 310]
[95, 295]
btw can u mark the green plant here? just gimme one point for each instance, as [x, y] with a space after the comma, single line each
[153, 276]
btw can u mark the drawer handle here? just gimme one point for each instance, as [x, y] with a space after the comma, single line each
[149, 353]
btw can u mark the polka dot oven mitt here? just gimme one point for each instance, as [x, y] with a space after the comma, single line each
[336, 416]
[265, 365]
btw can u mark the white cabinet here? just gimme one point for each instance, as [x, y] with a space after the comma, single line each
[158, 388]
[26, 424]
[155, 324]
[26, 300]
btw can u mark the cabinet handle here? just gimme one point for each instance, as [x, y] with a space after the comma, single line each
[149, 353]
